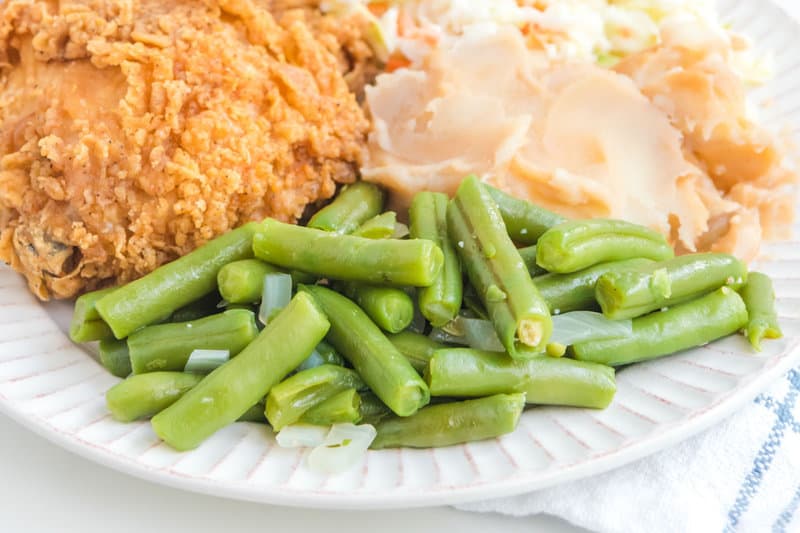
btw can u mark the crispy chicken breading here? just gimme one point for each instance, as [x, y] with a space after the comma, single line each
[132, 131]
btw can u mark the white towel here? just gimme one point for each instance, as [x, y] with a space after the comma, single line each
[743, 475]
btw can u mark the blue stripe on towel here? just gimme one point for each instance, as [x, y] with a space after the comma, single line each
[766, 454]
[786, 516]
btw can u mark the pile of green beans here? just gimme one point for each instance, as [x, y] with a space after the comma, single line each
[393, 330]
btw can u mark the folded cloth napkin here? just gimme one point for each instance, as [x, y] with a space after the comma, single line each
[743, 475]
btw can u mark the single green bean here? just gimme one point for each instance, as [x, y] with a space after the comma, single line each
[289, 399]
[378, 227]
[528, 256]
[148, 394]
[462, 372]
[415, 347]
[496, 270]
[579, 244]
[759, 298]
[115, 358]
[413, 262]
[389, 307]
[525, 221]
[242, 282]
[441, 302]
[86, 324]
[628, 293]
[683, 326]
[377, 361]
[372, 409]
[354, 205]
[340, 408]
[158, 294]
[452, 423]
[254, 414]
[230, 390]
[206, 306]
[575, 291]
[168, 346]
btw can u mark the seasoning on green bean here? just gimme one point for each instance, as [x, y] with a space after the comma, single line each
[415, 347]
[759, 298]
[148, 394]
[242, 282]
[288, 400]
[354, 205]
[628, 293]
[694, 323]
[575, 292]
[579, 244]
[168, 346]
[115, 358]
[341, 408]
[496, 270]
[230, 390]
[441, 301]
[381, 226]
[463, 372]
[86, 324]
[390, 308]
[525, 221]
[452, 423]
[413, 262]
[157, 295]
[377, 361]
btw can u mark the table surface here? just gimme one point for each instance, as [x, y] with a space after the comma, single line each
[46, 488]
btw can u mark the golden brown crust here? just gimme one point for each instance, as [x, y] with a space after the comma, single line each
[133, 131]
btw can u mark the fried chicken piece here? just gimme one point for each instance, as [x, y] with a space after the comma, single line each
[132, 131]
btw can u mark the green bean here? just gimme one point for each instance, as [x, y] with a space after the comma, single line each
[377, 361]
[414, 262]
[148, 394]
[86, 324]
[390, 308]
[759, 298]
[242, 282]
[323, 354]
[441, 301]
[578, 244]
[205, 306]
[462, 372]
[378, 227]
[254, 414]
[372, 409]
[575, 291]
[288, 400]
[528, 256]
[158, 294]
[415, 347]
[115, 358]
[525, 221]
[168, 346]
[340, 408]
[452, 423]
[354, 205]
[519, 314]
[230, 390]
[683, 326]
[628, 293]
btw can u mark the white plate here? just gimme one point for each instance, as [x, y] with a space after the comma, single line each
[53, 387]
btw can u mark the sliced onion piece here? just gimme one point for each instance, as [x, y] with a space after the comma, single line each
[276, 295]
[401, 231]
[301, 436]
[344, 446]
[582, 326]
[206, 361]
